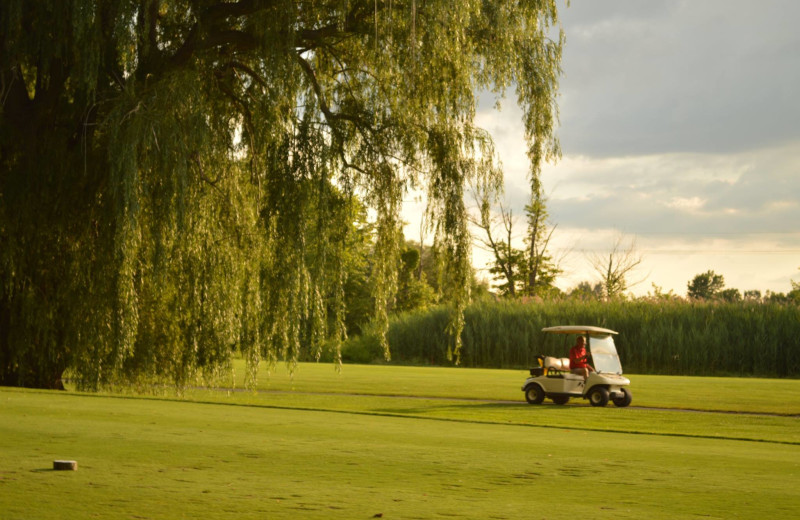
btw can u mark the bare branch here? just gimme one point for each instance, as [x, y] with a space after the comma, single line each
[615, 268]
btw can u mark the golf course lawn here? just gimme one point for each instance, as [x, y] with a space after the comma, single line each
[780, 396]
[300, 449]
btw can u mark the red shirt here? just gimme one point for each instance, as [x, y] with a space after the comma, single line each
[577, 357]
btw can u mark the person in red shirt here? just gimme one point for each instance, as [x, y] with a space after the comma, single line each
[579, 360]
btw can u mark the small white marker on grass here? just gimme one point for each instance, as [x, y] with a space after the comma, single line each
[65, 465]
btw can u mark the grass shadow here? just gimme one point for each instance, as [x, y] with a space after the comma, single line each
[477, 407]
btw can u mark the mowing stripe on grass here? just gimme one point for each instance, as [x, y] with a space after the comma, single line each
[457, 412]
[499, 401]
[498, 423]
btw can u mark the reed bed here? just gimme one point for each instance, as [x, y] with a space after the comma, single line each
[656, 337]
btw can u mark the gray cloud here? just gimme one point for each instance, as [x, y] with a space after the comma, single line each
[652, 77]
[753, 192]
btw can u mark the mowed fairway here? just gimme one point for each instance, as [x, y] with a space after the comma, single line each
[311, 448]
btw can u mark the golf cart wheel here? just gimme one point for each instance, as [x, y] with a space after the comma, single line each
[625, 400]
[534, 394]
[598, 396]
[560, 399]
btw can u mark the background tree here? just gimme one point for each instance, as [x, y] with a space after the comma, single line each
[753, 295]
[659, 295]
[541, 269]
[160, 160]
[495, 235]
[705, 286]
[412, 293]
[615, 268]
[529, 271]
[794, 294]
[586, 291]
[426, 270]
[730, 295]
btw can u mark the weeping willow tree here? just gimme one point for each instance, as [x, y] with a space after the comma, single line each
[177, 177]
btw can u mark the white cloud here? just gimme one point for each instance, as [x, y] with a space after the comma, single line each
[692, 204]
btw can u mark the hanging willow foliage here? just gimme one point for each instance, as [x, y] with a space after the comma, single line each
[177, 178]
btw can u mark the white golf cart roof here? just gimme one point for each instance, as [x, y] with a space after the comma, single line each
[577, 329]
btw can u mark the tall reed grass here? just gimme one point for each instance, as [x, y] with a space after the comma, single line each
[656, 337]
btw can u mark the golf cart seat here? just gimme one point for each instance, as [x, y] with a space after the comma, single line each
[559, 367]
[555, 364]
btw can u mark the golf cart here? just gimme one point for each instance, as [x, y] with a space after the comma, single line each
[553, 379]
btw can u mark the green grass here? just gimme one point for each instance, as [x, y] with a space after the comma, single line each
[777, 396]
[308, 447]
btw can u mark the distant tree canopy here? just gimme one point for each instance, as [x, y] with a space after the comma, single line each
[706, 285]
[177, 177]
[586, 291]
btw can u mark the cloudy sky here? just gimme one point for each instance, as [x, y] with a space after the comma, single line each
[680, 129]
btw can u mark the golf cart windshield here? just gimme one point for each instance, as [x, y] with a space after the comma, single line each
[604, 354]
